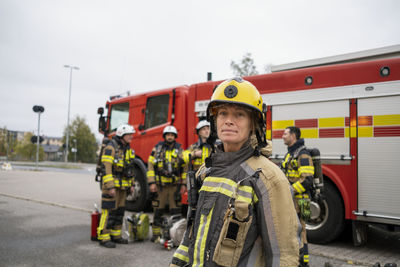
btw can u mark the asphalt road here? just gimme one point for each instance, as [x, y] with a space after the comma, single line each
[45, 221]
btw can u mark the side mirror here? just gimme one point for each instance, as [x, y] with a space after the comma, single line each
[102, 124]
[100, 111]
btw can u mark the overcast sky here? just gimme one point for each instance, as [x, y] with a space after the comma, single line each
[148, 45]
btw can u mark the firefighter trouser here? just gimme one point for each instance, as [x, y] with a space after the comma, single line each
[112, 214]
[165, 195]
[304, 256]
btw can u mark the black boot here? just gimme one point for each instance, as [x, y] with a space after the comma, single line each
[107, 244]
[304, 257]
[121, 241]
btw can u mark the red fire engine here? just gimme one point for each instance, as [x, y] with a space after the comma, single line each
[350, 111]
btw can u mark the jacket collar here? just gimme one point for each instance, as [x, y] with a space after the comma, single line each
[296, 145]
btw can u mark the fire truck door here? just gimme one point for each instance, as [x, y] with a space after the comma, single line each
[378, 156]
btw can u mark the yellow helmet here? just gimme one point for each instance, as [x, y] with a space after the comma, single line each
[240, 92]
[236, 91]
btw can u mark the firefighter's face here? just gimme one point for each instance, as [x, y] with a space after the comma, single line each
[127, 138]
[288, 138]
[204, 132]
[233, 126]
[169, 137]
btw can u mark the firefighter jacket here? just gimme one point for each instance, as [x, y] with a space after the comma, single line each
[165, 164]
[245, 215]
[117, 159]
[197, 161]
[298, 167]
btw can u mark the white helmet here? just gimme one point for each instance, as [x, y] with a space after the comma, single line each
[170, 129]
[125, 129]
[202, 124]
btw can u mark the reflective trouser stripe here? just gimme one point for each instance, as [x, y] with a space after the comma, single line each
[201, 238]
[116, 233]
[103, 220]
[306, 258]
[182, 253]
[156, 230]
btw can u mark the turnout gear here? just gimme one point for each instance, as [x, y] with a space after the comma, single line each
[244, 214]
[244, 217]
[117, 160]
[165, 165]
[298, 168]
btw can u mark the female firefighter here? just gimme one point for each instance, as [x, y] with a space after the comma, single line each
[244, 214]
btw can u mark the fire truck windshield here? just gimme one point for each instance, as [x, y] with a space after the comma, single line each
[119, 115]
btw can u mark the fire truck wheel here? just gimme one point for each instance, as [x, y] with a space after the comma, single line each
[137, 201]
[330, 222]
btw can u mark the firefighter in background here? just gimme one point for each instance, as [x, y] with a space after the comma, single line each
[298, 167]
[200, 150]
[166, 178]
[117, 160]
[243, 214]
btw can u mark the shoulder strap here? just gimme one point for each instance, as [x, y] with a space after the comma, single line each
[297, 152]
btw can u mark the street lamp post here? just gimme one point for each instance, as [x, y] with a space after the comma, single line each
[69, 104]
[39, 110]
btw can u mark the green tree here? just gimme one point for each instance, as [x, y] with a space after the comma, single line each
[3, 141]
[25, 150]
[245, 67]
[81, 138]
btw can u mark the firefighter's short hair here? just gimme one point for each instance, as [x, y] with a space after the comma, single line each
[295, 130]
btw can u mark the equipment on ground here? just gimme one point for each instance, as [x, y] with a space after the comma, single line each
[172, 230]
[138, 226]
[95, 216]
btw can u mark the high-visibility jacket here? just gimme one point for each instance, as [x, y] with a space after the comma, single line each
[298, 167]
[116, 158]
[197, 161]
[245, 215]
[165, 164]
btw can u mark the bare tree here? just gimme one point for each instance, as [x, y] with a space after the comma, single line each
[245, 67]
